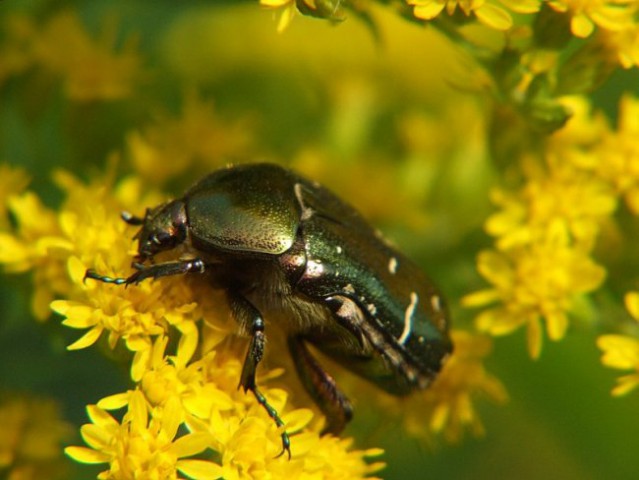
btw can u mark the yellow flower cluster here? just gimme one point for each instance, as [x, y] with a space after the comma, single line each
[447, 407]
[88, 68]
[186, 403]
[328, 9]
[197, 138]
[493, 13]
[546, 231]
[622, 351]
[30, 438]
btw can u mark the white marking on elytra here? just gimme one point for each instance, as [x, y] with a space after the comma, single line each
[436, 303]
[392, 265]
[372, 308]
[314, 268]
[338, 249]
[307, 212]
[408, 318]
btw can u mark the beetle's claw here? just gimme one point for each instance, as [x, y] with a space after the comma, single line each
[90, 273]
[286, 446]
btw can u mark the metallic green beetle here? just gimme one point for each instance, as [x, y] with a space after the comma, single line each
[284, 247]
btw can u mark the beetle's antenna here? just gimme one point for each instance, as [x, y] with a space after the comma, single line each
[131, 219]
[103, 278]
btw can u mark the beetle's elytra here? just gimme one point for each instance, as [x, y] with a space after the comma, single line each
[284, 247]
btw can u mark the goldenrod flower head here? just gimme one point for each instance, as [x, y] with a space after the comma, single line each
[624, 45]
[145, 444]
[619, 152]
[564, 198]
[33, 247]
[622, 351]
[585, 14]
[448, 406]
[198, 139]
[540, 282]
[186, 401]
[90, 68]
[12, 182]
[30, 438]
[488, 12]
[288, 10]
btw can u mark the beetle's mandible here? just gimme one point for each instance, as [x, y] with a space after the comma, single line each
[284, 247]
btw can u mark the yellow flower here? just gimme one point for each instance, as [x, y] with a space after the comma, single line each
[90, 69]
[563, 198]
[87, 227]
[486, 11]
[202, 397]
[530, 284]
[193, 389]
[619, 152]
[145, 444]
[622, 351]
[622, 45]
[198, 138]
[35, 246]
[585, 14]
[326, 9]
[447, 407]
[30, 438]
[12, 182]
[288, 10]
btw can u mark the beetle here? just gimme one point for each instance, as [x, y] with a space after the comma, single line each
[284, 247]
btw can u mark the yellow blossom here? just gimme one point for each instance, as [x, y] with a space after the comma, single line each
[448, 406]
[619, 152]
[530, 284]
[194, 388]
[622, 351]
[585, 14]
[564, 198]
[90, 69]
[87, 227]
[622, 45]
[199, 138]
[288, 10]
[35, 246]
[12, 182]
[144, 445]
[30, 438]
[203, 397]
[488, 12]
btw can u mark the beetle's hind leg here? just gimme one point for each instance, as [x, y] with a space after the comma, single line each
[247, 315]
[321, 387]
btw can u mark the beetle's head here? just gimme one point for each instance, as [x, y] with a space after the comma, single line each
[163, 228]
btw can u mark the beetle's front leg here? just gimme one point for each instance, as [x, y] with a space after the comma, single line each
[153, 271]
[249, 317]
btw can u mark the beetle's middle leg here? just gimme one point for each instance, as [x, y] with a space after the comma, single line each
[248, 316]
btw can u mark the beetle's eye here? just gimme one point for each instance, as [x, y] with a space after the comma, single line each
[161, 238]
